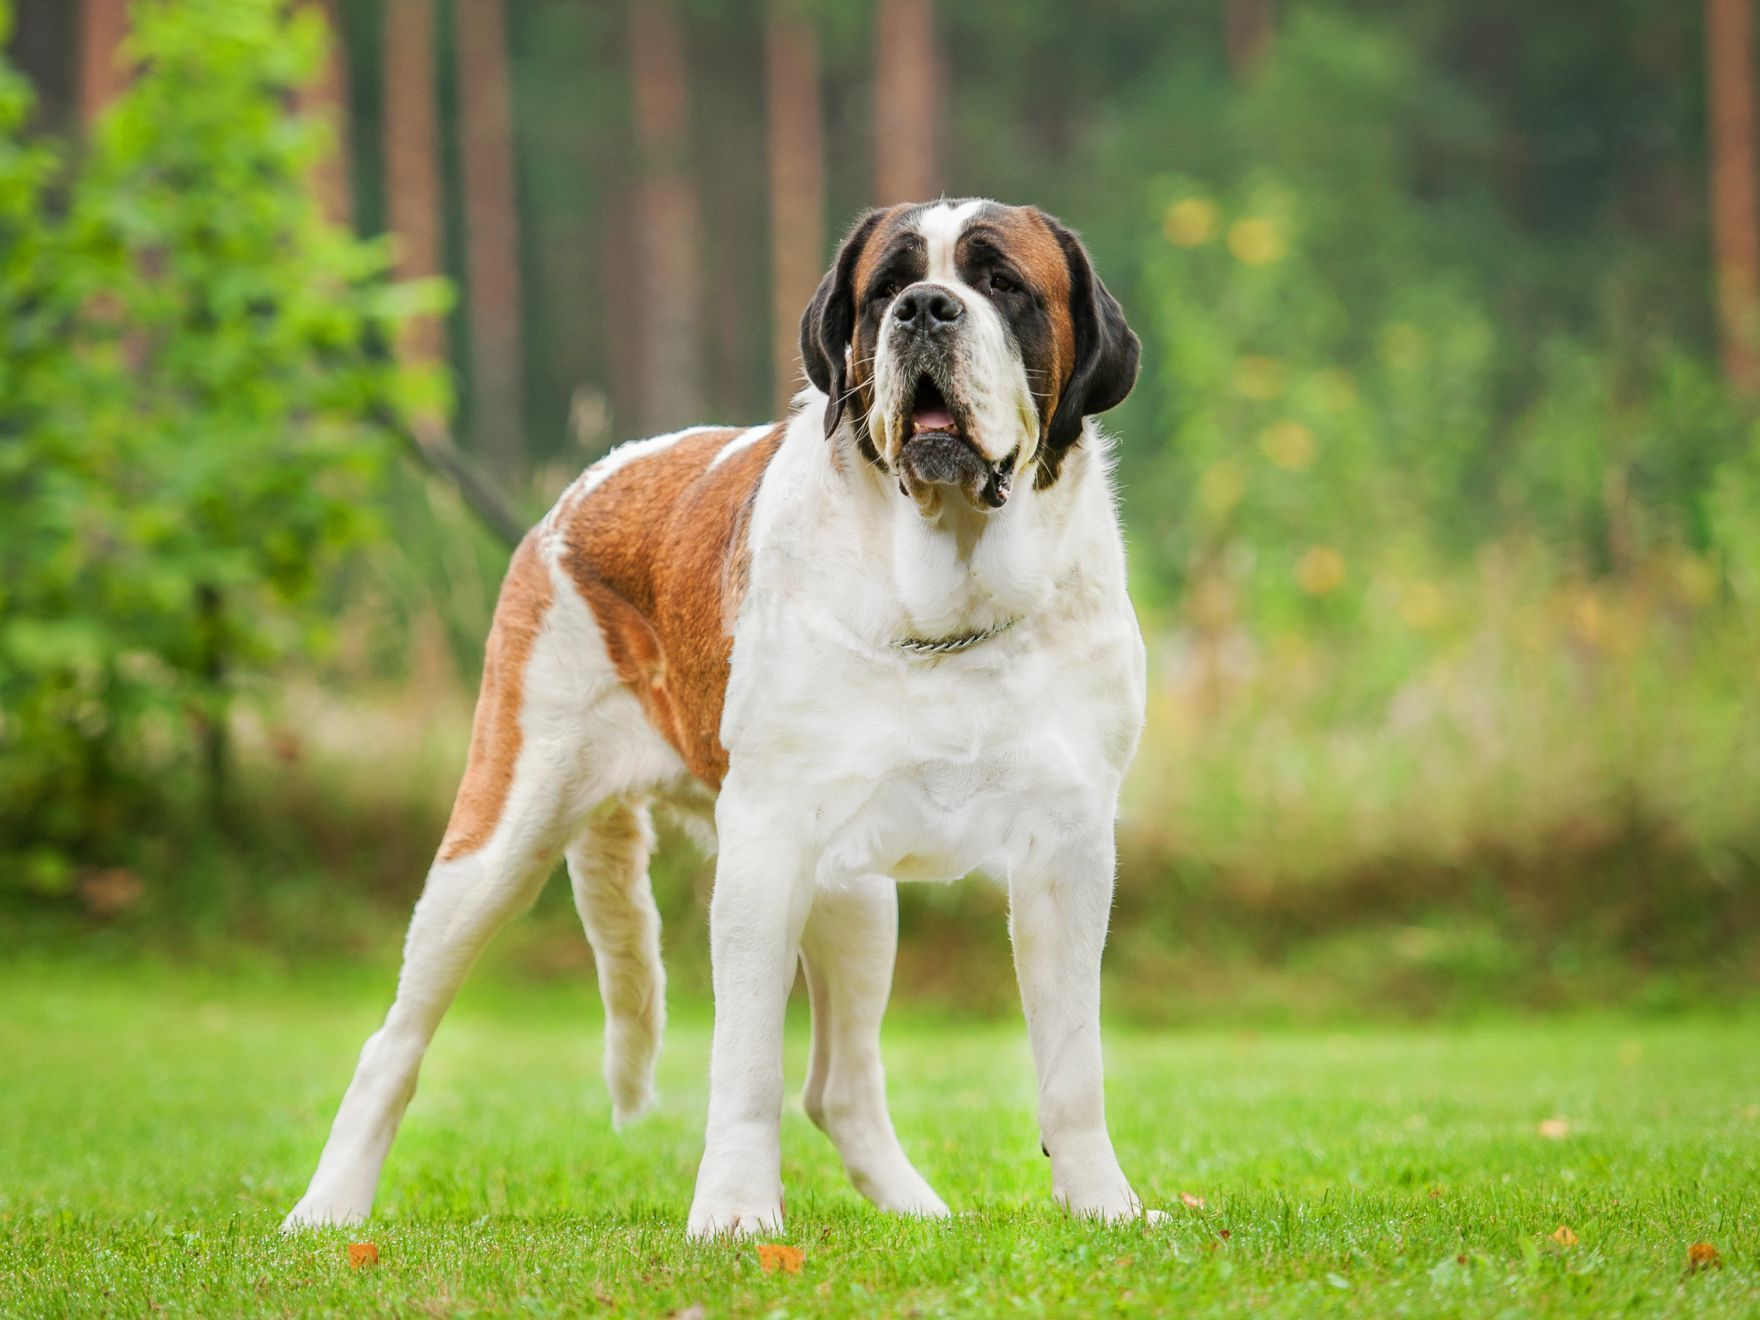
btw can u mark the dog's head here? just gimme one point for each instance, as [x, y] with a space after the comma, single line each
[966, 341]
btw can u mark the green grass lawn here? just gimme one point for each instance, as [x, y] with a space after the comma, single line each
[155, 1125]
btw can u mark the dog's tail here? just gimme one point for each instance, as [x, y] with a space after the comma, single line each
[608, 867]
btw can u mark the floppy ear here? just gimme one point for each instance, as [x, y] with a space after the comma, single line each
[830, 320]
[1106, 349]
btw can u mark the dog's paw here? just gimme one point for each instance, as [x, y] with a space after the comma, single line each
[313, 1213]
[905, 1197]
[901, 1192]
[1124, 1210]
[631, 1107]
[709, 1223]
[922, 1207]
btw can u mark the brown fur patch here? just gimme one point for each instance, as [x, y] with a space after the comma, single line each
[658, 551]
[1022, 233]
[896, 224]
[495, 733]
[1042, 261]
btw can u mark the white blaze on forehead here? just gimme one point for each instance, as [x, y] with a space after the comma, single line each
[941, 225]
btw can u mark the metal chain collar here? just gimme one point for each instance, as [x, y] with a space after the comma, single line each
[952, 645]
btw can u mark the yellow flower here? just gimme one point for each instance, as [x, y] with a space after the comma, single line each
[1421, 606]
[1190, 222]
[1258, 377]
[1288, 444]
[1220, 487]
[1255, 241]
[1335, 389]
[1320, 571]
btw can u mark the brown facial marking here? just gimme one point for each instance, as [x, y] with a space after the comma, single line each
[495, 732]
[893, 225]
[658, 551]
[893, 232]
[1021, 234]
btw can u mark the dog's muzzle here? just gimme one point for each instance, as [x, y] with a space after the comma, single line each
[937, 453]
[940, 458]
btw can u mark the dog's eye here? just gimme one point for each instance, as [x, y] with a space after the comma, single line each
[1000, 283]
[887, 291]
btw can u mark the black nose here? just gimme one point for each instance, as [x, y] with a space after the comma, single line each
[927, 308]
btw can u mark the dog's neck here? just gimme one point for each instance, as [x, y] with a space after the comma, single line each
[954, 570]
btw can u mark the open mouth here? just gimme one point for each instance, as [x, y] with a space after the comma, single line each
[938, 452]
[930, 413]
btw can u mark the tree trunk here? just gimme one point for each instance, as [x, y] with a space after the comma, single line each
[412, 170]
[668, 219]
[797, 183]
[620, 271]
[1729, 50]
[907, 103]
[491, 216]
[1251, 26]
[327, 96]
[102, 26]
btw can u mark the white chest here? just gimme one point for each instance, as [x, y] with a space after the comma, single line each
[929, 767]
[930, 770]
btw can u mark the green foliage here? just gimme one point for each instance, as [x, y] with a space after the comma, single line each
[194, 412]
[1349, 406]
[1340, 370]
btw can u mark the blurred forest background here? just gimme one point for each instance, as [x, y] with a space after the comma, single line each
[1442, 481]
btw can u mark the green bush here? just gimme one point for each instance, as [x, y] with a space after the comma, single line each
[195, 408]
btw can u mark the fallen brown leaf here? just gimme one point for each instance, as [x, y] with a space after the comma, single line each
[1703, 1256]
[362, 1253]
[1195, 1202]
[1563, 1236]
[773, 1256]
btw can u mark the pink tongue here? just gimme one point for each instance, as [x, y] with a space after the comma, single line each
[932, 419]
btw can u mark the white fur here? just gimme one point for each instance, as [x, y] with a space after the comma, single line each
[744, 440]
[608, 869]
[941, 226]
[854, 765]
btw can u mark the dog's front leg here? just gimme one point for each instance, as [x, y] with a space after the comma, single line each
[1059, 900]
[763, 889]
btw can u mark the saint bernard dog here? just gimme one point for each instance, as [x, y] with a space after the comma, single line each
[884, 640]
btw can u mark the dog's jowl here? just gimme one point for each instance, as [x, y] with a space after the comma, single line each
[885, 639]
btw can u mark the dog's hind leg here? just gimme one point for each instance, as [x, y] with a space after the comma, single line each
[465, 901]
[522, 794]
[608, 867]
[847, 949]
